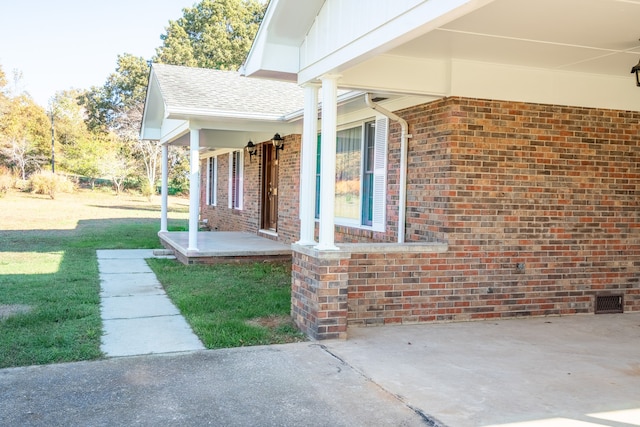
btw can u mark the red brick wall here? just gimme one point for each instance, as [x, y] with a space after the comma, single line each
[552, 188]
[496, 185]
[289, 190]
[319, 292]
[222, 218]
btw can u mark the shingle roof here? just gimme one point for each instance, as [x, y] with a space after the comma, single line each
[201, 89]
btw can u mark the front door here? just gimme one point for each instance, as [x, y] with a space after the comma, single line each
[270, 188]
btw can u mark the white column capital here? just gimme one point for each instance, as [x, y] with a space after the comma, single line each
[330, 76]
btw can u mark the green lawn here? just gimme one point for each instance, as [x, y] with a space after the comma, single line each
[232, 305]
[49, 283]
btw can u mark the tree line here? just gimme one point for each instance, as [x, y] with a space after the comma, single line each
[94, 133]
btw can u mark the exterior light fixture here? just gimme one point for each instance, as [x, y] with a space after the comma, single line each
[636, 70]
[278, 141]
[252, 149]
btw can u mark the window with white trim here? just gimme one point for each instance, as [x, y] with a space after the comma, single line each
[361, 175]
[236, 179]
[212, 181]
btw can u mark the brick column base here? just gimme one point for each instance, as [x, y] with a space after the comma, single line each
[319, 292]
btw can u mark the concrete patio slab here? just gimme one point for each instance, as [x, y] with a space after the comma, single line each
[522, 372]
[224, 246]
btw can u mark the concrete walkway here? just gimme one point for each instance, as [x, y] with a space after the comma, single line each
[576, 371]
[137, 316]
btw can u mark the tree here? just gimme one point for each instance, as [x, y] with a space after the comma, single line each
[212, 34]
[24, 134]
[83, 150]
[3, 92]
[117, 106]
[118, 167]
[149, 152]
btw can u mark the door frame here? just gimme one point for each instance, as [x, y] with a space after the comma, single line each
[269, 191]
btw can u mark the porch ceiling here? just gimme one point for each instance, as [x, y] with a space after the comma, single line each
[583, 36]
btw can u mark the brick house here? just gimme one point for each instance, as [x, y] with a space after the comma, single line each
[482, 165]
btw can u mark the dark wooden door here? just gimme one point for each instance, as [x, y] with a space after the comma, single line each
[270, 188]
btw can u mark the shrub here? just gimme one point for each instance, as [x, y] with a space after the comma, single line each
[6, 181]
[49, 183]
[147, 190]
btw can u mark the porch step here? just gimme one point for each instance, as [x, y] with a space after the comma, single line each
[164, 253]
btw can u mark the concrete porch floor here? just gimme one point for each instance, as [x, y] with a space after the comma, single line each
[224, 246]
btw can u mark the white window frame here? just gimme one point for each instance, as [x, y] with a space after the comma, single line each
[379, 191]
[212, 181]
[240, 172]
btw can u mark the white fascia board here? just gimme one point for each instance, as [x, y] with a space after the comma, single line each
[256, 52]
[511, 83]
[154, 108]
[153, 134]
[200, 114]
[207, 152]
[275, 60]
[275, 52]
[273, 127]
[398, 74]
[417, 20]
[342, 99]
[173, 129]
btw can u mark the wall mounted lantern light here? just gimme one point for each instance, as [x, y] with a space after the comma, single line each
[252, 149]
[636, 70]
[278, 141]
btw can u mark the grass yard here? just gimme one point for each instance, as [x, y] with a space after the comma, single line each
[49, 282]
[232, 305]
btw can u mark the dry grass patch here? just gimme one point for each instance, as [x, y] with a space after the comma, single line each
[8, 310]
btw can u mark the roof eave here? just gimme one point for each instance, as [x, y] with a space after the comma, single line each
[182, 113]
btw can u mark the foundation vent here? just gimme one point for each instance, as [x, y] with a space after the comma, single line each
[608, 304]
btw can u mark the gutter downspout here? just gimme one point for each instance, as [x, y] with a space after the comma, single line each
[404, 143]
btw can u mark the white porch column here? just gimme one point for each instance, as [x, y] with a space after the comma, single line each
[194, 188]
[308, 166]
[164, 189]
[326, 241]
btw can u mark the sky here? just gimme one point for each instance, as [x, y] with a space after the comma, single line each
[64, 44]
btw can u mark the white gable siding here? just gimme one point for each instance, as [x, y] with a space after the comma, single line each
[351, 30]
[340, 22]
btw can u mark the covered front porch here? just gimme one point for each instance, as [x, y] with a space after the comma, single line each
[224, 247]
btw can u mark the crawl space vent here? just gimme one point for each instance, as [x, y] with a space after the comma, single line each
[608, 304]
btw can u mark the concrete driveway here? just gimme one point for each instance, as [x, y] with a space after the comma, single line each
[554, 371]
[581, 371]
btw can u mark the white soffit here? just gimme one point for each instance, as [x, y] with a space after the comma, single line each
[576, 52]
[587, 36]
